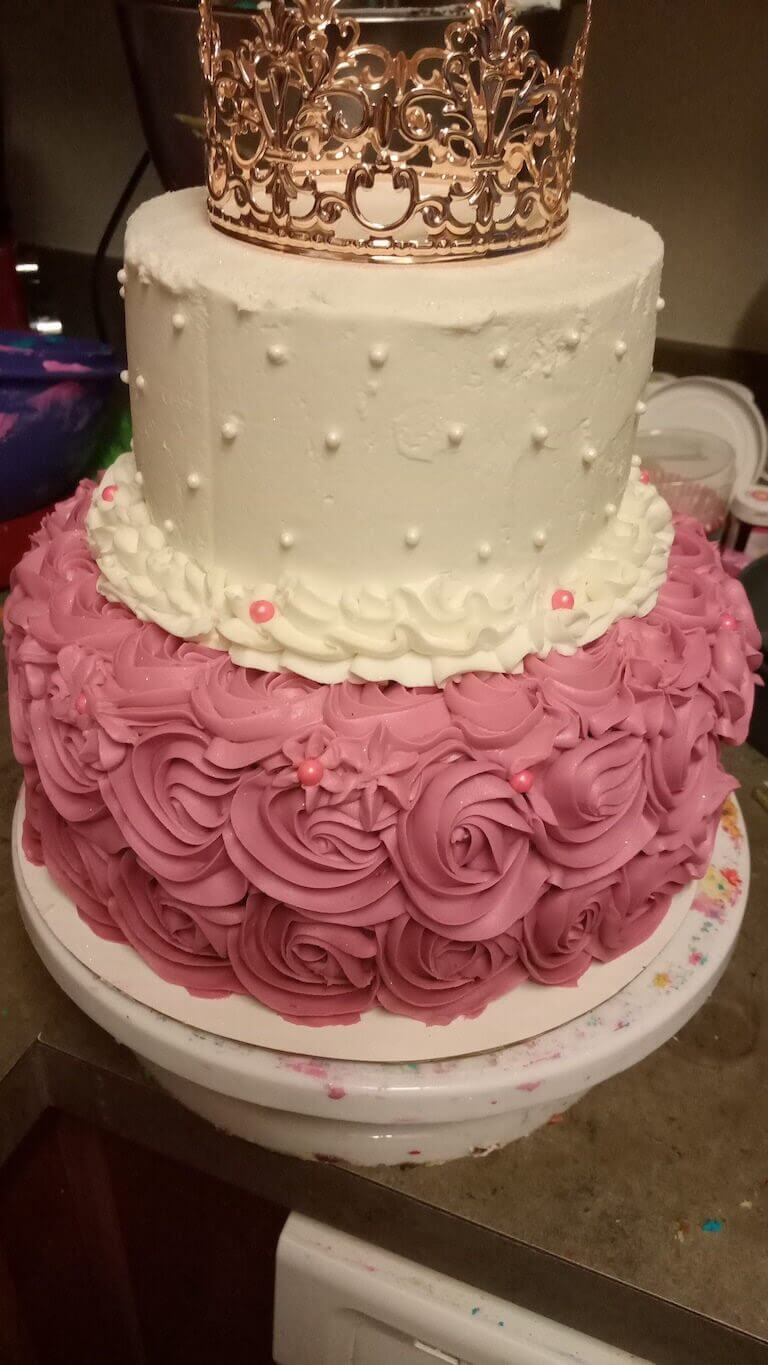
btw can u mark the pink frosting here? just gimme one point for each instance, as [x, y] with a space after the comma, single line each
[167, 793]
[309, 970]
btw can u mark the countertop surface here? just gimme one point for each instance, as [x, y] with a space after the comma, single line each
[597, 1221]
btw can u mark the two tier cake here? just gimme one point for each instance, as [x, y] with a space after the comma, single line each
[376, 675]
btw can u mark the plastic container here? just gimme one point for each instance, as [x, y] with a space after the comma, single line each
[694, 471]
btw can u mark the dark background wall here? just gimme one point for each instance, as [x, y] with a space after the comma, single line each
[675, 128]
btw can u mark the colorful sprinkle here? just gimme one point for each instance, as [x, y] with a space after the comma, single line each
[645, 476]
[81, 705]
[261, 612]
[336, 1092]
[713, 1225]
[728, 622]
[109, 492]
[662, 980]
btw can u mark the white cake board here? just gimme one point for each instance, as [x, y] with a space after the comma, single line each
[525, 1012]
[370, 1113]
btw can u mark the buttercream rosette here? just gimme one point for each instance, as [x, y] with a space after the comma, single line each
[164, 793]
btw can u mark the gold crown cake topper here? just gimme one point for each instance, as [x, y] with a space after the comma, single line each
[318, 142]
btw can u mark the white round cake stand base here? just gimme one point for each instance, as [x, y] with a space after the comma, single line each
[388, 1114]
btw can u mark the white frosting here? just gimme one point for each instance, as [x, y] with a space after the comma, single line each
[407, 459]
[420, 634]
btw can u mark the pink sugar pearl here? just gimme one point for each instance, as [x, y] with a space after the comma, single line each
[521, 782]
[81, 705]
[261, 612]
[645, 476]
[109, 492]
[728, 622]
[562, 600]
[311, 772]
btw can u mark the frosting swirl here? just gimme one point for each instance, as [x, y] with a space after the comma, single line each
[332, 848]
[310, 971]
[184, 944]
[464, 854]
[437, 979]
[172, 807]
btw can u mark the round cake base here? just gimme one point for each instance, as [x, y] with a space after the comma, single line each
[378, 1036]
[388, 1114]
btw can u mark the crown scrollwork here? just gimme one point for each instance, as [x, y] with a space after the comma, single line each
[320, 142]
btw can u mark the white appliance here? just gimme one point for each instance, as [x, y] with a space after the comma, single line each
[341, 1301]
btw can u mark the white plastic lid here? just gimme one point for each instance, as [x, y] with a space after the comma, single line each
[718, 407]
[751, 505]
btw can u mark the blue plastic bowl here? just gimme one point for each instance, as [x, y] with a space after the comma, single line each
[54, 398]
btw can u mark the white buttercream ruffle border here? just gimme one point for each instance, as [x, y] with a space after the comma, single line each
[419, 635]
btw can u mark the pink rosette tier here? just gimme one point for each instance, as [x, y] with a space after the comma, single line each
[330, 849]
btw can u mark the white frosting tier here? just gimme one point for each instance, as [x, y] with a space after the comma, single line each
[405, 461]
[417, 635]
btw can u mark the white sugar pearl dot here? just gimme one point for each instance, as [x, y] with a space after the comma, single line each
[540, 539]
[168, 526]
[590, 455]
[641, 408]
[500, 357]
[141, 383]
[412, 537]
[378, 356]
[637, 461]
[332, 440]
[287, 540]
[573, 340]
[621, 349]
[125, 378]
[193, 481]
[484, 551]
[230, 430]
[540, 434]
[122, 291]
[456, 433]
[277, 354]
[122, 275]
[139, 478]
[179, 322]
[143, 276]
[660, 304]
[610, 510]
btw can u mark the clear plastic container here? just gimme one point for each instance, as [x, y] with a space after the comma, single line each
[694, 470]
